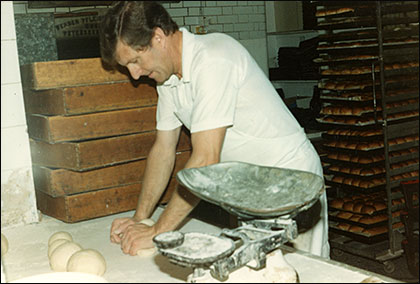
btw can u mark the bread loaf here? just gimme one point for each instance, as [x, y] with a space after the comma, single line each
[344, 215]
[373, 219]
[355, 229]
[348, 206]
[375, 231]
[358, 207]
[379, 205]
[355, 217]
[368, 209]
[337, 203]
[344, 226]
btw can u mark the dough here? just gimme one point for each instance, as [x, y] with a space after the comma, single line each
[61, 255]
[60, 235]
[4, 244]
[87, 261]
[149, 251]
[55, 244]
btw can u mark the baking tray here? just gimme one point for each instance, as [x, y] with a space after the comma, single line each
[332, 215]
[353, 189]
[359, 44]
[368, 8]
[364, 73]
[348, 163]
[369, 33]
[394, 82]
[360, 121]
[358, 176]
[391, 95]
[363, 238]
[366, 121]
[369, 151]
[361, 22]
[350, 138]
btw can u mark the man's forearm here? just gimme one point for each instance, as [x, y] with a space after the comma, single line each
[181, 204]
[159, 167]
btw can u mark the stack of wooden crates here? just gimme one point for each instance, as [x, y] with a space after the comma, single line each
[90, 132]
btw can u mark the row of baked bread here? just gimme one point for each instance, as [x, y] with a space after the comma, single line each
[368, 69]
[358, 218]
[370, 171]
[357, 170]
[364, 204]
[351, 132]
[371, 183]
[329, 12]
[353, 145]
[346, 157]
[369, 232]
[359, 206]
[366, 96]
[366, 120]
[361, 43]
[361, 84]
[359, 110]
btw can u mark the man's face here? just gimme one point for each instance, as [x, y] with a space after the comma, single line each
[148, 62]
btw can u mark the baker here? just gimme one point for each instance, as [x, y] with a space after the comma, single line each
[211, 85]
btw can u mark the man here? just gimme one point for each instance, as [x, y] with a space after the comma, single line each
[212, 85]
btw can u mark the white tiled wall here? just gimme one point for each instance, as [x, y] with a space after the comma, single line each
[243, 20]
[18, 204]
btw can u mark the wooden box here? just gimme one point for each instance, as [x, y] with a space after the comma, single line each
[59, 182]
[93, 204]
[90, 132]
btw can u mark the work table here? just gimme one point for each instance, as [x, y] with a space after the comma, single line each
[28, 246]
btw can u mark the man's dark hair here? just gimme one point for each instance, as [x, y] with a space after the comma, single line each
[134, 23]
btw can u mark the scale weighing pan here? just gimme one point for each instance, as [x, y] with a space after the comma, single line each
[251, 191]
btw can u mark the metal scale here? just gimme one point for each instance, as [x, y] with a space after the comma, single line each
[266, 199]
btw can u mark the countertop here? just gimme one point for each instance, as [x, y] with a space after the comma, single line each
[28, 246]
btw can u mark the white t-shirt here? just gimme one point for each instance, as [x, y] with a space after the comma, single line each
[222, 85]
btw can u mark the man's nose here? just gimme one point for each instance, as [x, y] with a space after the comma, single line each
[135, 71]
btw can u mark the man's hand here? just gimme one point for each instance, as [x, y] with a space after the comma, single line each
[136, 237]
[119, 227]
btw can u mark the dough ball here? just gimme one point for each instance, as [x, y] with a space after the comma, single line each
[87, 261]
[4, 245]
[61, 255]
[146, 252]
[55, 244]
[60, 235]
[149, 251]
[149, 222]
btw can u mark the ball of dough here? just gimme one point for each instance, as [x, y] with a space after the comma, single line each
[61, 255]
[55, 244]
[149, 222]
[60, 235]
[4, 245]
[87, 261]
[149, 251]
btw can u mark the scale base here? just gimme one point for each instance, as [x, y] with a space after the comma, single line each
[277, 270]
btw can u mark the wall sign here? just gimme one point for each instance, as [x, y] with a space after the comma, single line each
[79, 25]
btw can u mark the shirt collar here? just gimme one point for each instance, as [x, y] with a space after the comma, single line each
[187, 55]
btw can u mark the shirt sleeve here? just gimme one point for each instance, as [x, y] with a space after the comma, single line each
[165, 112]
[215, 92]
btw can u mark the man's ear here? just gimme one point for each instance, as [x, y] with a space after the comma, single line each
[159, 36]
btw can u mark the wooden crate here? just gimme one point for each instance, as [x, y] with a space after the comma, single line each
[88, 155]
[90, 131]
[91, 98]
[83, 206]
[53, 129]
[60, 182]
[69, 73]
